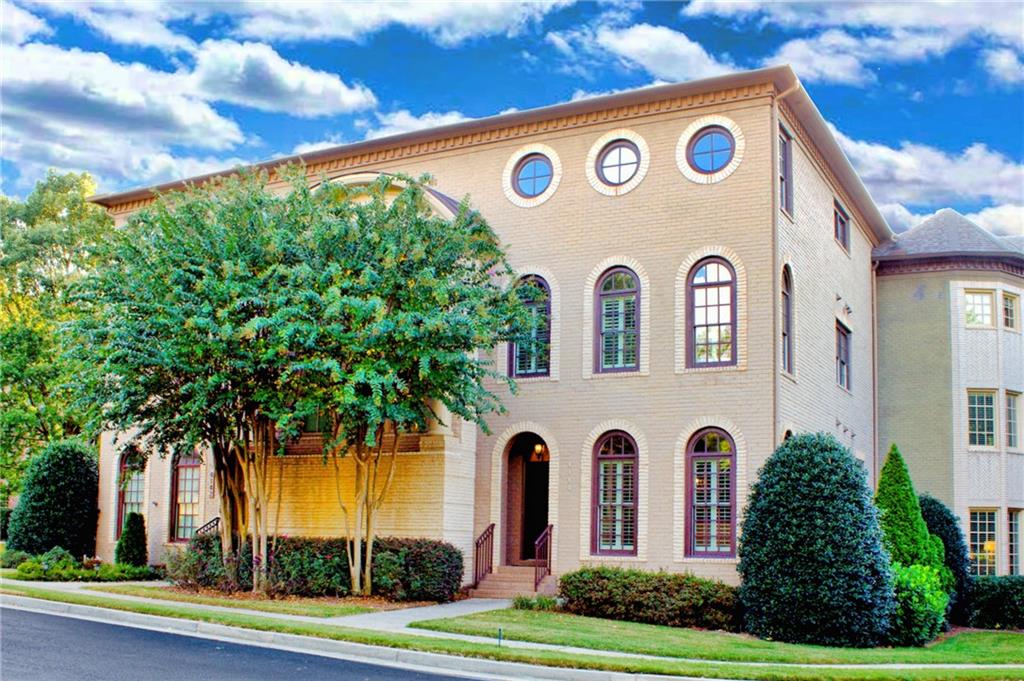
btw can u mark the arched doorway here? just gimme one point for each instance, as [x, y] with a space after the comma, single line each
[526, 496]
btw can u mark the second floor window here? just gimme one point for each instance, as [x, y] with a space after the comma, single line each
[618, 321]
[787, 320]
[1012, 422]
[843, 375]
[981, 419]
[1010, 307]
[531, 356]
[712, 314]
[978, 306]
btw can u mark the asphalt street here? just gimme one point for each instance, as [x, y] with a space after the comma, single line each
[38, 647]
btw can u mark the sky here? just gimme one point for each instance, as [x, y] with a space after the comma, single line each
[926, 98]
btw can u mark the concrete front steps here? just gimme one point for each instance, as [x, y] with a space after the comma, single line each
[508, 581]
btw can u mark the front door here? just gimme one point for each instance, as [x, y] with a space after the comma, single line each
[526, 497]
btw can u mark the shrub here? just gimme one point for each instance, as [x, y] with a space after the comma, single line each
[675, 600]
[12, 558]
[303, 566]
[943, 524]
[131, 545]
[812, 565]
[538, 602]
[57, 559]
[920, 605]
[904, 532]
[58, 565]
[5, 519]
[998, 602]
[58, 504]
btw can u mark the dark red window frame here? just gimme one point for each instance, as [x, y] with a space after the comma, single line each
[787, 320]
[595, 492]
[691, 328]
[842, 226]
[844, 374]
[536, 156]
[701, 134]
[123, 471]
[691, 457]
[609, 148]
[513, 348]
[785, 171]
[190, 461]
[599, 318]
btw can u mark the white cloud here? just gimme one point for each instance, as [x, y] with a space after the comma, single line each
[919, 174]
[131, 22]
[1004, 65]
[662, 52]
[326, 143]
[998, 21]
[836, 56]
[1006, 219]
[398, 122]
[18, 25]
[254, 75]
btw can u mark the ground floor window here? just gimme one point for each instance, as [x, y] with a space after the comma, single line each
[983, 542]
[711, 482]
[131, 485]
[1013, 541]
[615, 495]
[184, 498]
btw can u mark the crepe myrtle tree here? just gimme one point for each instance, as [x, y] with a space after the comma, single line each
[395, 311]
[227, 315]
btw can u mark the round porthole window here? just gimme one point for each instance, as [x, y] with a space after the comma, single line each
[711, 150]
[532, 175]
[618, 163]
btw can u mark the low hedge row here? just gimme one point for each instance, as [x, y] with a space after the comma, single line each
[998, 602]
[58, 565]
[675, 600]
[404, 569]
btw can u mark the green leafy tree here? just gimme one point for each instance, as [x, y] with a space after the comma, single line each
[58, 505]
[47, 242]
[812, 565]
[946, 526]
[400, 302]
[226, 316]
[904, 531]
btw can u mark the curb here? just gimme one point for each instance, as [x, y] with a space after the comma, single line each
[470, 667]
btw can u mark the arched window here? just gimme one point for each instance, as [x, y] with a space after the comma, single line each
[712, 314]
[711, 495]
[614, 508]
[130, 491]
[532, 356]
[184, 497]
[787, 320]
[617, 318]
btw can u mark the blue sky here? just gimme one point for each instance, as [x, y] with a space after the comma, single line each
[927, 99]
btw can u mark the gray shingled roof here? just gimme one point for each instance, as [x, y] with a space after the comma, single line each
[1015, 242]
[945, 233]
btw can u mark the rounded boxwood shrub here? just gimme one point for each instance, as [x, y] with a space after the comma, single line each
[131, 545]
[905, 534]
[58, 503]
[812, 565]
[998, 602]
[943, 524]
[920, 605]
[671, 599]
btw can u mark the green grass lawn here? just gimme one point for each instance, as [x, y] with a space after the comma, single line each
[765, 672]
[9, 573]
[976, 647]
[311, 607]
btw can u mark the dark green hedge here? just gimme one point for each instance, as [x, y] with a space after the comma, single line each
[131, 545]
[5, 520]
[675, 600]
[58, 504]
[405, 569]
[998, 602]
[943, 524]
[812, 565]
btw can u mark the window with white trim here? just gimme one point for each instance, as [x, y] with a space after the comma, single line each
[981, 418]
[1014, 517]
[982, 542]
[843, 376]
[1012, 420]
[1011, 307]
[978, 306]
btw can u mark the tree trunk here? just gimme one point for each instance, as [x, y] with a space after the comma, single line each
[374, 499]
[230, 480]
[258, 483]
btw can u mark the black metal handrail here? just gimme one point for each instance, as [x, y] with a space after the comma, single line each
[483, 555]
[211, 526]
[542, 556]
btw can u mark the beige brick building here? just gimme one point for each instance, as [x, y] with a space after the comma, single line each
[707, 252]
